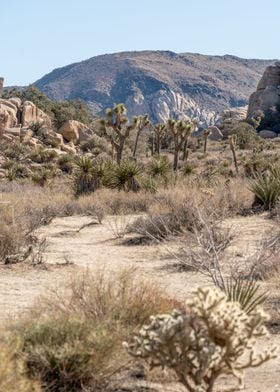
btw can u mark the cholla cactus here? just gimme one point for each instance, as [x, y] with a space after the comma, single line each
[215, 337]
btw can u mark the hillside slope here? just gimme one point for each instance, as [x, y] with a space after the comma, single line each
[161, 83]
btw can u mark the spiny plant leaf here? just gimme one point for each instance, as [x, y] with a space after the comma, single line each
[246, 292]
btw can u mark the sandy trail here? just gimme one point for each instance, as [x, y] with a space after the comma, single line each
[96, 246]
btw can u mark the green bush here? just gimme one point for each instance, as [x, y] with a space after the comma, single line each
[16, 171]
[124, 176]
[66, 163]
[86, 177]
[159, 168]
[247, 138]
[266, 188]
[59, 353]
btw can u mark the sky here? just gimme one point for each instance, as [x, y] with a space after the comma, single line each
[37, 36]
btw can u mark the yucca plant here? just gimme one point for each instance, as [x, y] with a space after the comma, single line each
[65, 163]
[266, 188]
[246, 292]
[187, 169]
[159, 168]
[123, 176]
[86, 176]
[148, 184]
[16, 171]
[41, 176]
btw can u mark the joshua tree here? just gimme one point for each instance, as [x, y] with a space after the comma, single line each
[116, 128]
[158, 133]
[143, 123]
[180, 131]
[232, 142]
[206, 134]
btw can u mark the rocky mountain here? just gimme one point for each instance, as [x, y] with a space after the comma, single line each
[161, 83]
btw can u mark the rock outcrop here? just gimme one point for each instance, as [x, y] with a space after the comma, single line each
[75, 131]
[229, 118]
[14, 113]
[8, 114]
[265, 102]
[31, 114]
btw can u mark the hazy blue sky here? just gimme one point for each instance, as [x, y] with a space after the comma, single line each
[37, 36]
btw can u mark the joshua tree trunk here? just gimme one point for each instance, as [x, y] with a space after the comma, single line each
[185, 155]
[176, 160]
[206, 134]
[153, 145]
[232, 143]
[119, 154]
[136, 143]
[234, 158]
[205, 144]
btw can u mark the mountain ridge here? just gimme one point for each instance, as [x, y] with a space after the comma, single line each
[160, 83]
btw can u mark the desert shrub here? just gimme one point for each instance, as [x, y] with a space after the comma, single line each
[178, 217]
[256, 163]
[12, 376]
[187, 169]
[116, 202]
[59, 353]
[11, 240]
[213, 337]
[66, 163]
[41, 176]
[123, 176]
[16, 171]
[94, 144]
[15, 151]
[76, 343]
[85, 178]
[266, 188]
[41, 155]
[159, 168]
[247, 138]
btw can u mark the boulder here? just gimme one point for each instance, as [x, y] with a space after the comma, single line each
[266, 100]
[8, 114]
[13, 131]
[266, 134]
[230, 117]
[16, 102]
[75, 131]
[69, 148]
[31, 114]
[215, 133]
[56, 138]
[8, 138]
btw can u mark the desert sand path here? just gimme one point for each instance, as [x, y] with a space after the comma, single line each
[96, 246]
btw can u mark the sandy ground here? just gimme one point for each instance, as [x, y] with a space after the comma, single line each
[97, 245]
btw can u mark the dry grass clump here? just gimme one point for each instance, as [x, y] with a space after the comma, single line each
[11, 371]
[116, 202]
[75, 342]
[177, 210]
[25, 207]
